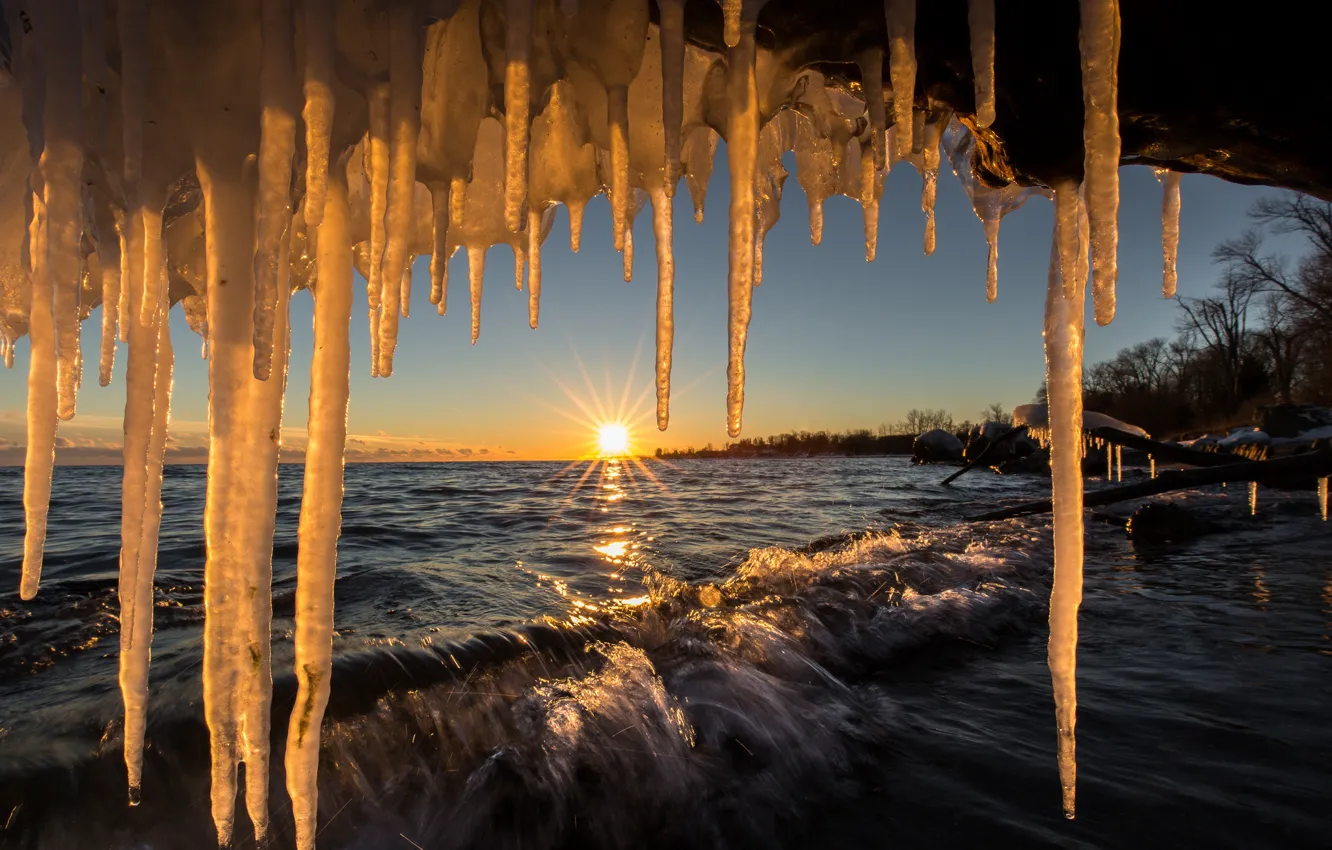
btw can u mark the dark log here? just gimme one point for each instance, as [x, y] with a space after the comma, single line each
[1314, 464]
[1164, 451]
[1010, 434]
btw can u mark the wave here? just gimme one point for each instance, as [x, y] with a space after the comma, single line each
[704, 714]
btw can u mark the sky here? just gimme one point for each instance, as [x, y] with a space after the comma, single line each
[835, 343]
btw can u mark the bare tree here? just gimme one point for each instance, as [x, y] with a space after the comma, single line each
[1220, 325]
[1283, 344]
[996, 413]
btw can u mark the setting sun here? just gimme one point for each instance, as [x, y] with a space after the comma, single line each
[613, 440]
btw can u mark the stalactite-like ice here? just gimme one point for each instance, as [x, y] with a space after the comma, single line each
[1063, 356]
[277, 146]
[476, 275]
[742, 156]
[1119, 463]
[1322, 497]
[319, 105]
[700, 146]
[108, 256]
[980, 22]
[871, 74]
[61, 168]
[39, 457]
[404, 127]
[517, 106]
[1253, 498]
[1169, 229]
[1098, 40]
[321, 511]
[377, 171]
[671, 13]
[662, 229]
[901, 15]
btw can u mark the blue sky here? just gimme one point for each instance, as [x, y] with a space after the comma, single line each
[835, 342]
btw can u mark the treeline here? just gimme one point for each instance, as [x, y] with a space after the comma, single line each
[888, 439]
[1263, 336]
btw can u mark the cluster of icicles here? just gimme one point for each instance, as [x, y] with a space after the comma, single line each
[156, 169]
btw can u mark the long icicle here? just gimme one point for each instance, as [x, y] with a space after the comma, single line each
[320, 103]
[1169, 229]
[1064, 317]
[991, 225]
[742, 156]
[39, 457]
[439, 253]
[1098, 40]
[62, 169]
[672, 86]
[871, 77]
[137, 632]
[517, 107]
[901, 15]
[662, 229]
[108, 257]
[476, 274]
[621, 194]
[321, 511]
[980, 22]
[377, 156]
[277, 145]
[533, 268]
[404, 127]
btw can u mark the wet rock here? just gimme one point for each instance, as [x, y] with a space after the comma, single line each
[1165, 522]
[1292, 420]
[936, 446]
[982, 436]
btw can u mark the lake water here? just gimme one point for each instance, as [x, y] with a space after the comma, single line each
[713, 654]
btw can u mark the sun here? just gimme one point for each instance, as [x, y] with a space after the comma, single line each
[613, 439]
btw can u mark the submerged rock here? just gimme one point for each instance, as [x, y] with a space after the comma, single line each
[937, 446]
[1166, 522]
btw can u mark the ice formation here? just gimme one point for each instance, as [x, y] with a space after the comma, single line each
[1169, 228]
[270, 152]
[1322, 497]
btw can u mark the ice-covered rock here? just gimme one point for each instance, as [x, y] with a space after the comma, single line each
[936, 446]
[1037, 416]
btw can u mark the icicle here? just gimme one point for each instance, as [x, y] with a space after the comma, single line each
[1067, 200]
[699, 148]
[1169, 228]
[245, 419]
[731, 21]
[980, 20]
[377, 156]
[320, 103]
[742, 155]
[628, 255]
[621, 195]
[901, 15]
[870, 188]
[930, 179]
[871, 76]
[534, 267]
[517, 107]
[1253, 498]
[671, 13]
[406, 288]
[991, 226]
[321, 512]
[39, 457]
[476, 271]
[404, 127]
[1119, 464]
[62, 168]
[1152, 461]
[137, 631]
[519, 265]
[439, 254]
[1098, 40]
[108, 257]
[1063, 356]
[1109, 463]
[1322, 497]
[277, 146]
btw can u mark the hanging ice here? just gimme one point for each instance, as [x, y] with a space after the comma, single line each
[1063, 356]
[319, 105]
[901, 15]
[40, 452]
[1098, 40]
[742, 156]
[980, 21]
[671, 13]
[1169, 228]
[321, 511]
[517, 106]
[1322, 497]
[1253, 498]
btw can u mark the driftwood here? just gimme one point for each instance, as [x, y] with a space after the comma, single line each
[1003, 438]
[1169, 452]
[1316, 464]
